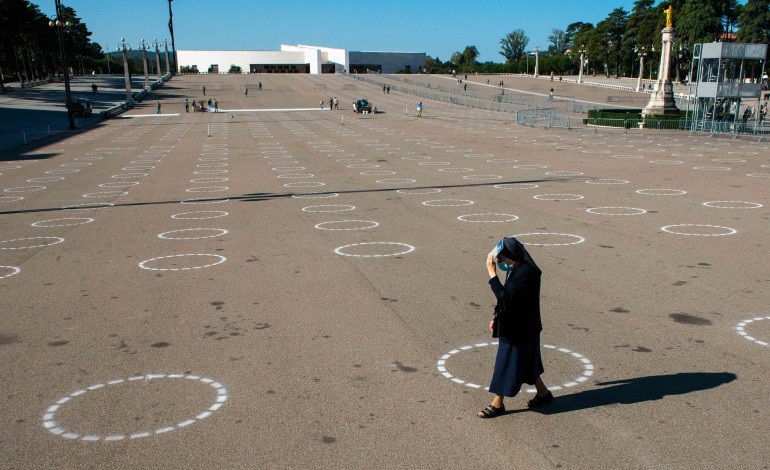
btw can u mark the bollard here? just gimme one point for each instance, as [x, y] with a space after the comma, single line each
[209, 130]
[406, 110]
[343, 120]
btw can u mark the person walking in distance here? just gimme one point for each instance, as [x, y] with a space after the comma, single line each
[186, 106]
[517, 325]
[419, 109]
[158, 108]
[216, 106]
[204, 90]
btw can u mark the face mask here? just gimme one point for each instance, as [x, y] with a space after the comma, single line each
[504, 266]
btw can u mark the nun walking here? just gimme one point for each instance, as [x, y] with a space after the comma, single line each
[517, 325]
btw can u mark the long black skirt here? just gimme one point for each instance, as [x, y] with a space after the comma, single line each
[516, 364]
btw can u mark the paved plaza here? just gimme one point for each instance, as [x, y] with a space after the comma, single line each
[291, 287]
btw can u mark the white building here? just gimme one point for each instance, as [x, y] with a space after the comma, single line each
[302, 59]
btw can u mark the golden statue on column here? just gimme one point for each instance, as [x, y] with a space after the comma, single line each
[662, 98]
[670, 16]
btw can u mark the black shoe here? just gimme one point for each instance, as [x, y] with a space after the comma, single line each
[540, 401]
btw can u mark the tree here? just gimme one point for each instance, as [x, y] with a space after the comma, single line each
[699, 21]
[572, 30]
[470, 54]
[558, 40]
[513, 45]
[754, 22]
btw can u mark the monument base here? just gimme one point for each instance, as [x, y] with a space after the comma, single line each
[662, 100]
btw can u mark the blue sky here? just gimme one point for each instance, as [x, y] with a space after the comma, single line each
[437, 28]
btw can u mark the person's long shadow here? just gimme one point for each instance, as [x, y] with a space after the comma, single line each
[635, 390]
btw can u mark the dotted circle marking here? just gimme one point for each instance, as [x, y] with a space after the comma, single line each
[409, 249]
[419, 191]
[204, 201]
[143, 264]
[564, 173]
[118, 184]
[315, 196]
[210, 172]
[607, 181]
[747, 205]
[323, 225]
[66, 220]
[210, 180]
[516, 186]
[12, 268]
[579, 238]
[46, 179]
[509, 218]
[661, 192]
[588, 367]
[530, 167]
[165, 235]
[396, 181]
[758, 175]
[10, 199]
[729, 231]
[482, 177]
[53, 427]
[558, 197]
[56, 242]
[62, 172]
[322, 208]
[740, 328]
[610, 210]
[297, 176]
[304, 184]
[447, 202]
[106, 194]
[456, 170]
[199, 215]
[88, 206]
[377, 173]
[712, 168]
[24, 189]
[207, 189]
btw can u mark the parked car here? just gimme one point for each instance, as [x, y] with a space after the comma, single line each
[81, 107]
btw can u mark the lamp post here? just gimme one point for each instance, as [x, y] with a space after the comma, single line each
[107, 54]
[143, 46]
[157, 57]
[123, 47]
[60, 25]
[165, 43]
[537, 60]
[679, 61]
[642, 53]
[582, 62]
[171, 29]
[652, 50]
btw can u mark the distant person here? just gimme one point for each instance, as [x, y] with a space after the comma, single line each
[331, 104]
[158, 108]
[336, 104]
[93, 87]
[204, 90]
[419, 109]
[216, 106]
[465, 87]
[550, 95]
[260, 85]
[517, 325]
[246, 91]
[187, 106]
[388, 89]
[321, 104]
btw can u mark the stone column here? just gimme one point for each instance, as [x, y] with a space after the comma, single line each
[582, 60]
[662, 98]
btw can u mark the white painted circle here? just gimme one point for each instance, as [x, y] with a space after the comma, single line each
[728, 160]
[558, 197]
[304, 184]
[56, 241]
[53, 427]
[14, 271]
[564, 173]
[482, 177]
[88, 158]
[106, 194]
[455, 170]
[350, 160]
[75, 164]
[607, 181]
[419, 191]
[62, 172]
[24, 189]
[4, 199]
[740, 328]
[504, 218]
[209, 180]
[661, 192]
[207, 189]
[579, 238]
[212, 159]
[173, 234]
[204, 201]
[588, 367]
[732, 205]
[666, 162]
[89, 206]
[479, 155]
[448, 202]
[211, 165]
[363, 165]
[67, 222]
[516, 186]
[502, 160]
[396, 181]
[299, 176]
[200, 215]
[142, 168]
[377, 173]
[530, 167]
[46, 179]
[408, 249]
[129, 175]
[119, 184]
[324, 225]
[758, 175]
[329, 208]
[627, 157]
[671, 229]
[434, 163]
[144, 263]
[612, 210]
[713, 168]
[210, 172]
[288, 168]
[315, 196]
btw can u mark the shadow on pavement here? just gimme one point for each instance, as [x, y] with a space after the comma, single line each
[636, 390]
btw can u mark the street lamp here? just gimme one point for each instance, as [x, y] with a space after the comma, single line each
[123, 47]
[143, 46]
[157, 57]
[168, 69]
[642, 53]
[60, 25]
[171, 29]
[537, 60]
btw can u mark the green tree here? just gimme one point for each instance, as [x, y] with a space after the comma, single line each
[558, 40]
[754, 22]
[470, 54]
[512, 46]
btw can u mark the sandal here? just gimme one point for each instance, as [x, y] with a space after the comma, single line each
[491, 412]
[540, 401]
